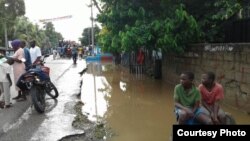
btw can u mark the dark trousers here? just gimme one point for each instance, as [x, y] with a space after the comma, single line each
[157, 69]
[74, 56]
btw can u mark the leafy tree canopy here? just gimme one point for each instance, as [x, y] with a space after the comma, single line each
[9, 11]
[86, 38]
[167, 24]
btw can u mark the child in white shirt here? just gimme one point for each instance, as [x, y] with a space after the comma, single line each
[5, 82]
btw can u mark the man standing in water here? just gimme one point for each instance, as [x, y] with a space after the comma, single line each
[74, 53]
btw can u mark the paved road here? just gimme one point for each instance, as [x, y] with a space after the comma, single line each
[11, 116]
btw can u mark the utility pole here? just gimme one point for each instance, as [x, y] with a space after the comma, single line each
[6, 5]
[92, 27]
[5, 35]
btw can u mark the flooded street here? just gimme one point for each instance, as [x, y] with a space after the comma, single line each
[134, 107]
[108, 70]
[129, 107]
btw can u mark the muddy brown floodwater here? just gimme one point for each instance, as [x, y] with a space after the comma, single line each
[133, 107]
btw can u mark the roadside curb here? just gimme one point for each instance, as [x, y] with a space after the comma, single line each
[10, 118]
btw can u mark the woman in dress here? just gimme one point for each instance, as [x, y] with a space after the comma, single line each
[18, 66]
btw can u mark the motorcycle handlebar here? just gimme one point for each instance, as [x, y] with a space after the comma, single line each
[41, 62]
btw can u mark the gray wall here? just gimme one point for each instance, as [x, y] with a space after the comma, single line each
[230, 62]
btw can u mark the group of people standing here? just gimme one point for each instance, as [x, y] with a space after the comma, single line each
[200, 104]
[70, 50]
[64, 50]
[21, 61]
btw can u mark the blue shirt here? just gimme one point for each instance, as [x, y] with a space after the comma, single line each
[74, 50]
[27, 58]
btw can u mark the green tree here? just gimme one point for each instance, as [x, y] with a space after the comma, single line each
[86, 38]
[168, 24]
[45, 37]
[132, 24]
[9, 11]
[213, 15]
[52, 36]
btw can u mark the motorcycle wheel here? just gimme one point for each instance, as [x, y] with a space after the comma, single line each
[51, 90]
[38, 98]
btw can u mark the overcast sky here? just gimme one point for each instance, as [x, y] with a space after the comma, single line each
[72, 28]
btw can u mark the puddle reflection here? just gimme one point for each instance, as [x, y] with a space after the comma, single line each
[136, 108]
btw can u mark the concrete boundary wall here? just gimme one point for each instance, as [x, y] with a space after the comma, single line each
[230, 62]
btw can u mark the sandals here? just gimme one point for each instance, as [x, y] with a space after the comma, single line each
[7, 106]
[2, 102]
[17, 97]
[3, 106]
[22, 98]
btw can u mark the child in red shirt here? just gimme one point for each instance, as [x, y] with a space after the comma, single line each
[212, 94]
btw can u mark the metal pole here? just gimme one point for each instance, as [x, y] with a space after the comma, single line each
[6, 5]
[5, 35]
[92, 26]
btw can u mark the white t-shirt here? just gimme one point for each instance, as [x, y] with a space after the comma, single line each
[157, 54]
[4, 70]
[34, 53]
[54, 51]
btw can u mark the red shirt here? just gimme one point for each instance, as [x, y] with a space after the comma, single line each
[217, 93]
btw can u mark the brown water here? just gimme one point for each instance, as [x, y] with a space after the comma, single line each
[136, 107]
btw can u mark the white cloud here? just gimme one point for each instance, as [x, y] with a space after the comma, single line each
[72, 28]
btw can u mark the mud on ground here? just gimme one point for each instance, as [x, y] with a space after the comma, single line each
[92, 131]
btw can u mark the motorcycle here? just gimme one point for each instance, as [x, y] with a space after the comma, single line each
[36, 81]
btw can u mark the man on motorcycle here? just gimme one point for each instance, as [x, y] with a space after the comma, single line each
[35, 52]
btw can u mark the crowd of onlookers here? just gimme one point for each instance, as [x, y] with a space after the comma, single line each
[64, 50]
[22, 60]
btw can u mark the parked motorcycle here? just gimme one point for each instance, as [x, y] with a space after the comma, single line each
[36, 81]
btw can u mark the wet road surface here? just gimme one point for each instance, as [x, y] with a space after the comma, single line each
[56, 122]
